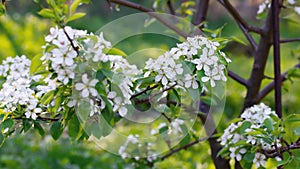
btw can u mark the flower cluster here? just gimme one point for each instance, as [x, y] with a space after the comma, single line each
[291, 4]
[16, 94]
[255, 130]
[199, 51]
[132, 141]
[62, 54]
[67, 49]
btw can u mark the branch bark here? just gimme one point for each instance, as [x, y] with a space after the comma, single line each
[260, 59]
[152, 13]
[201, 12]
[267, 89]
[244, 26]
[276, 47]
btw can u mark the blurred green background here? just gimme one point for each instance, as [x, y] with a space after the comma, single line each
[22, 31]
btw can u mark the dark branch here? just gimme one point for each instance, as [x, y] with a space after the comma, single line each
[171, 8]
[237, 77]
[152, 13]
[290, 40]
[239, 18]
[144, 91]
[244, 26]
[46, 119]
[201, 12]
[276, 49]
[266, 90]
[71, 41]
[183, 147]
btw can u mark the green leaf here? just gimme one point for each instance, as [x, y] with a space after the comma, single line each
[1, 139]
[27, 125]
[297, 131]
[39, 128]
[245, 125]
[223, 152]
[146, 81]
[8, 123]
[115, 51]
[238, 40]
[2, 9]
[56, 130]
[269, 124]
[248, 157]
[36, 63]
[73, 127]
[76, 16]
[76, 3]
[47, 98]
[46, 13]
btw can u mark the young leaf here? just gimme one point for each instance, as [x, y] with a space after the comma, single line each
[35, 63]
[2, 9]
[47, 13]
[76, 16]
[115, 51]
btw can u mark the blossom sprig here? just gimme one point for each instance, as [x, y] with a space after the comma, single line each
[289, 4]
[258, 131]
[203, 53]
[17, 94]
[144, 152]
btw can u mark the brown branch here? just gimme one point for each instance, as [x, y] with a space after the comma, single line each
[290, 40]
[237, 78]
[260, 60]
[244, 26]
[152, 13]
[144, 91]
[171, 8]
[71, 41]
[39, 118]
[276, 50]
[173, 151]
[239, 18]
[201, 12]
[267, 89]
[279, 151]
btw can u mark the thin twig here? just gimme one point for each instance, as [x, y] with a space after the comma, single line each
[266, 90]
[144, 91]
[237, 78]
[171, 8]
[152, 13]
[244, 26]
[183, 147]
[290, 40]
[239, 18]
[71, 41]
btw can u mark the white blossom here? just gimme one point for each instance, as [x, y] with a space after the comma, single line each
[259, 159]
[87, 86]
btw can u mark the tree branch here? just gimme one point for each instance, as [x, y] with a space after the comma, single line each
[152, 13]
[260, 59]
[290, 40]
[239, 18]
[201, 12]
[173, 151]
[244, 26]
[266, 90]
[276, 47]
[237, 78]
[171, 8]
